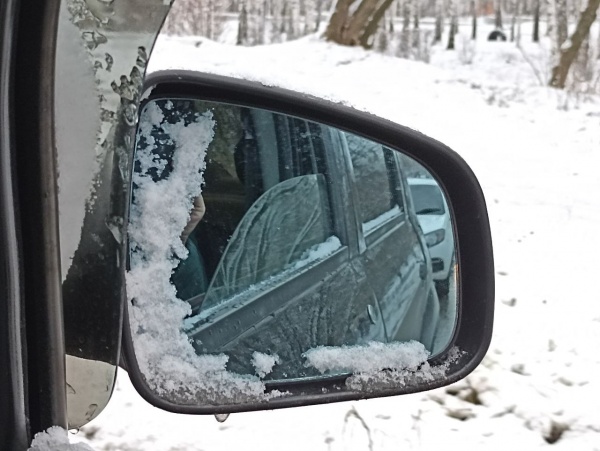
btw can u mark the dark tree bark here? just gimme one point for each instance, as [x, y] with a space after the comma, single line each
[561, 23]
[439, 21]
[569, 53]
[498, 14]
[373, 23]
[513, 22]
[319, 12]
[405, 14]
[536, 20]
[474, 19]
[359, 27]
[416, 13]
[242, 36]
[453, 25]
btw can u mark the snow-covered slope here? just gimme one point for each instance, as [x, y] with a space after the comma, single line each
[538, 165]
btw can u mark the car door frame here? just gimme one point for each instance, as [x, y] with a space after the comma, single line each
[401, 219]
[296, 287]
[32, 338]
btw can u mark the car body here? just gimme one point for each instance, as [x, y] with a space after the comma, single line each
[434, 218]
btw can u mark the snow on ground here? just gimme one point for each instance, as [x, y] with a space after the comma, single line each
[538, 166]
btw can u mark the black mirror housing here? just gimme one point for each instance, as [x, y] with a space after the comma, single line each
[473, 257]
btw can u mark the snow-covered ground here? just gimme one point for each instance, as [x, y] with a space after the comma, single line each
[536, 153]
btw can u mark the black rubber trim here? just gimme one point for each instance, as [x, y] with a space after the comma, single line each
[35, 159]
[475, 293]
[13, 432]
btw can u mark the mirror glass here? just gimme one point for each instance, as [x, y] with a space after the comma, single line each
[257, 238]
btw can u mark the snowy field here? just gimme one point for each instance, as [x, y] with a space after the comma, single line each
[536, 153]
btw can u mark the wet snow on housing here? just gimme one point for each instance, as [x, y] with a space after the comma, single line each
[159, 213]
[55, 438]
[374, 356]
[264, 363]
[379, 366]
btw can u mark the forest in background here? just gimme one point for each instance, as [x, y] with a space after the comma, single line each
[410, 28]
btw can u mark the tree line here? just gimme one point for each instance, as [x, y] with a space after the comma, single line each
[395, 26]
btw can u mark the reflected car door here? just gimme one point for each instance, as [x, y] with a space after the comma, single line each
[287, 276]
[396, 265]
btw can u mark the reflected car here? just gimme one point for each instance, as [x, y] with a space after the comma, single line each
[434, 218]
[308, 240]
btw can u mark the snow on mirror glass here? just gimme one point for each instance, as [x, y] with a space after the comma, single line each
[268, 248]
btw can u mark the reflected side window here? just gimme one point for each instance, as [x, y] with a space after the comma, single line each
[376, 176]
[289, 226]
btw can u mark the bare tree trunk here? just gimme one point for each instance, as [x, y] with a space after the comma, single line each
[513, 22]
[405, 36]
[242, 37]
[520, 8]
[262, 27]
[356, 27]
[293, 19]
[498, 14]
[568, 53]
[561, 23]
[338, 22]
[439, 21]
[319, 12]
[549, 17]
[371, 27]
[474, 19]
[536, 20]
[416, 12]
[310, 9]
[406, 14]
[453, 9]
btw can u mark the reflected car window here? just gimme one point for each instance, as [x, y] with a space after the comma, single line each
[375, 195]
[427, 199]
[287, 156]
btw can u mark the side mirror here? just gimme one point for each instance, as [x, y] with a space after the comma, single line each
[287, 251]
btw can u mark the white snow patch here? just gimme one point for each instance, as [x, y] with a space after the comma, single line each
[372, 357]
[378, 366]
[55, 438]
[396, 376]
[159, 213]
[264, 363]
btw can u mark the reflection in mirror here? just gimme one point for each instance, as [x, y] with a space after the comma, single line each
[257, 239]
